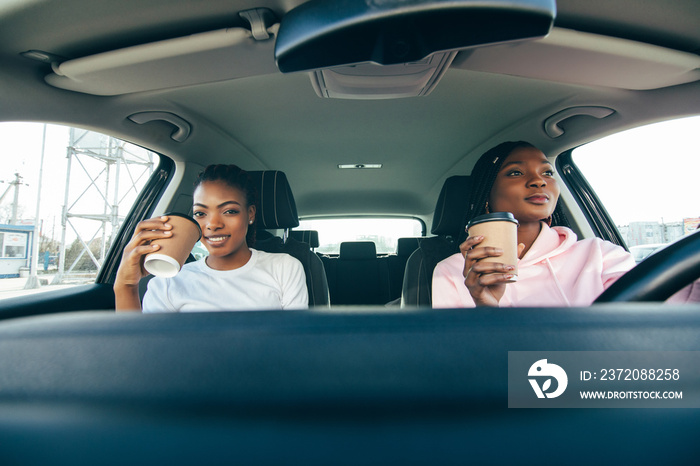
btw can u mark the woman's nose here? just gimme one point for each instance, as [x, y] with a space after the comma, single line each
[214, 222]
[537, 181]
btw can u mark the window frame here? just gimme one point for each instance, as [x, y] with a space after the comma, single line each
[142, 209]
[587, 200]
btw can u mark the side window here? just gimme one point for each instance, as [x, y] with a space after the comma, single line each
[63, 196]
[647, 178]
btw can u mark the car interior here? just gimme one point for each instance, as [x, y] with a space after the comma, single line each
[352, 110]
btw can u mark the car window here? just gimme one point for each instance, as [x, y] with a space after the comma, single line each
[647, 178]
[84, 182]
[384, 232]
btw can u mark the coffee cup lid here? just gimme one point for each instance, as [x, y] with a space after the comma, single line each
[178, 214]
[492, 217]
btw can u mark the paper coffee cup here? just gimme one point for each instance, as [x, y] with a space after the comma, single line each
[500, 230]
[174, 250]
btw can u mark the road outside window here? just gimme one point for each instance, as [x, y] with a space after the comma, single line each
[647, 178]
[64, 193]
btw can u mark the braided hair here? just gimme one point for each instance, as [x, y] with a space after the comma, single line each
[484, 175]
[234, 177]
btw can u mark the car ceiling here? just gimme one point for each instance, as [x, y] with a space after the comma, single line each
[276, 121]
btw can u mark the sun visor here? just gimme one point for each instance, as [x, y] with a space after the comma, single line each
[197, 59]
[581, 58]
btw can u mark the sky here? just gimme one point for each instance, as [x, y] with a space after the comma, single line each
[20, 151]
[650, 173]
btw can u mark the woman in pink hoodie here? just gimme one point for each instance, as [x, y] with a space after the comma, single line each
[554, 268]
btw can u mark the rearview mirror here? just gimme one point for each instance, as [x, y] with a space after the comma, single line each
[322, 33]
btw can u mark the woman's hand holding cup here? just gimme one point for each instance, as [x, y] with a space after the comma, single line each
[131, 269]
[486, 281]
[485, 276]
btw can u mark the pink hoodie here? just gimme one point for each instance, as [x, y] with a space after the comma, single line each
[558, 270]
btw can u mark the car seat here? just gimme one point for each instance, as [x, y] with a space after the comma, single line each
[357, 276]
[309, 237]
[397, 265]
[448, 225]
[277, 210]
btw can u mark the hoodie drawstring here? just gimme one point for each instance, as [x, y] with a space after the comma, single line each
[556, 282]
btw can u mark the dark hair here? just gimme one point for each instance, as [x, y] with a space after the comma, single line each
[484, 175]
[237, 178]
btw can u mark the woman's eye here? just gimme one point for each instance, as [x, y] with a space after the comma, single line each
[198, 214]
[231, 212]
[514, 173]
[549, 173]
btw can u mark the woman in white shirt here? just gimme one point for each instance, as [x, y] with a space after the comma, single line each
[233, 276]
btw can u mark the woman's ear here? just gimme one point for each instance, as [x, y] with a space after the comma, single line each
[251, 214]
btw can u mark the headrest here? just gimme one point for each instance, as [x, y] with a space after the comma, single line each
[276, 207]
[406, 246]
[358, 250]
[306, 236]
[451, 208]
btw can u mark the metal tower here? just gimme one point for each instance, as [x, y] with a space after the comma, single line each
[101, 173]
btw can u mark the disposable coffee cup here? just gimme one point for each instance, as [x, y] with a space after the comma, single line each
[500, 230]
[174, 250]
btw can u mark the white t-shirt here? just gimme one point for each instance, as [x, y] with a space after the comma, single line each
[267, 281]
